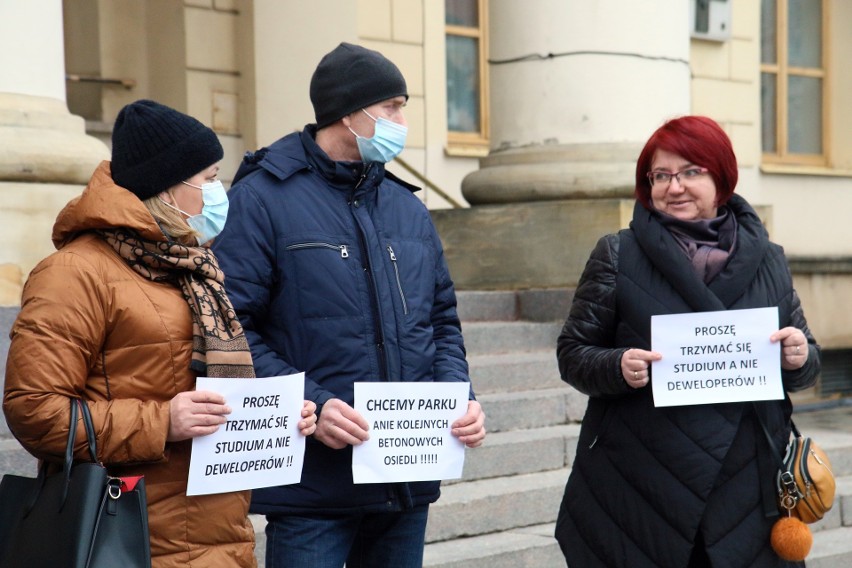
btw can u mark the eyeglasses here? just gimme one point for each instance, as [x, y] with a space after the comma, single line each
[692, 173]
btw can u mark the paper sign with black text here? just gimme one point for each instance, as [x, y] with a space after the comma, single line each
[410, 431]
[710, 357]
[260, 444]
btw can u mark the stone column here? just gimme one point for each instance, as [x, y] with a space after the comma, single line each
[576, 89]
[45, 155]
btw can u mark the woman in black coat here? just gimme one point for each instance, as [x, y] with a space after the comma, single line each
[676, 486]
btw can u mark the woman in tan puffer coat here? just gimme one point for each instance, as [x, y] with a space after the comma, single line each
[126, 314]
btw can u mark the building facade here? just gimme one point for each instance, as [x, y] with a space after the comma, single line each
[525, 118]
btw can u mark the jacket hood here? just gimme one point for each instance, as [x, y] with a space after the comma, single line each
[282, 159]
[104, 205]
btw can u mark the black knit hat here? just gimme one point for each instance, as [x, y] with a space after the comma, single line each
[155, 147]
[351, 77]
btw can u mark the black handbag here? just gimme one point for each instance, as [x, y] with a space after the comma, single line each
[80, 517]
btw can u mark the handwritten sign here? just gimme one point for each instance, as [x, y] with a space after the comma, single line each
[410, 431]
[260, 444]
[710, 357]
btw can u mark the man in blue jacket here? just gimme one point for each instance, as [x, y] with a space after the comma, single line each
[335, 269]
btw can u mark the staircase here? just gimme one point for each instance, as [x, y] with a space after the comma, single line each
[501, 513]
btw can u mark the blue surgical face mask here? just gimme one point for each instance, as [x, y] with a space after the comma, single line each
[213, 215]
[387, 142]
[210, 222]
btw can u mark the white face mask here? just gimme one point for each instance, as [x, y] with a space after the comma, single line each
[210, 222]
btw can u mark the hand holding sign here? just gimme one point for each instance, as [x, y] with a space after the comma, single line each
[340, 425]
[196, 413]
[308, 424]
[470, 428]
[635, 366]
[794, 353]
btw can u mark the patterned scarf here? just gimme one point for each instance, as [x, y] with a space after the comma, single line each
[219, 346]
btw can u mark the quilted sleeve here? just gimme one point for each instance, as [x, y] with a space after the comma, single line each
[54, 342]
[805, 376]
[588, 359]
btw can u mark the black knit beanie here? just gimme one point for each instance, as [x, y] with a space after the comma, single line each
[155, 147]
[352, 77]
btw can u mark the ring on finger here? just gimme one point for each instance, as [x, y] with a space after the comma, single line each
[797, 349]
[635, 375]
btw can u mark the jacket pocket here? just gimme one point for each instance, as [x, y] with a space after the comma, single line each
[321, 278]
[344, 250]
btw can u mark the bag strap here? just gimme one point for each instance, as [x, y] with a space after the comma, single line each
[795, 430]
[775, 453]
[69, 451]
[76, 404]
[72, 435]
[69, 446]
[90, 429]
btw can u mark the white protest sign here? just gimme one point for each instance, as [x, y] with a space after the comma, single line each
[410, 431]
[260, 444]
[710, 357]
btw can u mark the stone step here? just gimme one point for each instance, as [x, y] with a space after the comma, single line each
[831, 549]
[483, 338]
[841, 512]
[543, 304]
[520, 451]
[527, 547]
[494, 305]
[524, 410]
[491, 505]
[512, 372]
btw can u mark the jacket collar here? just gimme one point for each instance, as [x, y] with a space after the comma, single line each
[742, 266]
[299, 151]
[104, 205]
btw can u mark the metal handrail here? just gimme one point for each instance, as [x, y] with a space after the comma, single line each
[428, 183]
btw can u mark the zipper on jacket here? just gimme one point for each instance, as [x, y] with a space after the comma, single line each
[344, 250]
[374, 307]
[361, 179]
[398, 281]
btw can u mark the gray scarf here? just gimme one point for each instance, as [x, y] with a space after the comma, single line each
[706, 242]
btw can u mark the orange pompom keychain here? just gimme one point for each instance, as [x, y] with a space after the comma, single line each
[791, 539]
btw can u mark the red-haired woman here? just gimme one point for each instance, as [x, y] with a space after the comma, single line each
[676, 486]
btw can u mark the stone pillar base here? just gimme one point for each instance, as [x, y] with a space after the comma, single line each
[526, 245]
[40, 141]
[559, 171]
[27, 214]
